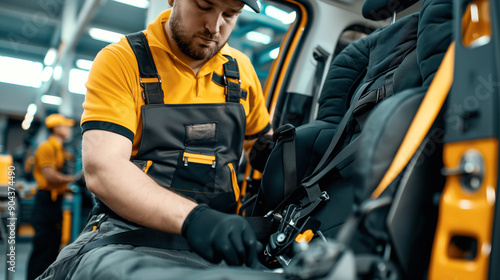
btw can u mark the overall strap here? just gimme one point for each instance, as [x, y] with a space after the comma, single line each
[148, 75]
[232, 90]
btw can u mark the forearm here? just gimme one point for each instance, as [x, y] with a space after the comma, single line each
[126, 189]
[136, 197]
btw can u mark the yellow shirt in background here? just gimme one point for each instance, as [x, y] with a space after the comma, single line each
[49, 153]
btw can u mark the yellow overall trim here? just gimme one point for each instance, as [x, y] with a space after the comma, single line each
[198, 158]
[426, 114]
[148, 165]
[243, 189]
[234, 181]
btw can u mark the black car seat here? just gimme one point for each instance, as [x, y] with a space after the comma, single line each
[383, 64]
[376, 60]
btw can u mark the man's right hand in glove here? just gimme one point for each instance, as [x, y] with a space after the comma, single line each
[219, 236]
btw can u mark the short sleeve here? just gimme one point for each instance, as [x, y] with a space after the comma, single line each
[109, 102]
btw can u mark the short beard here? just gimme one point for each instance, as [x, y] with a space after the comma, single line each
[185, 45]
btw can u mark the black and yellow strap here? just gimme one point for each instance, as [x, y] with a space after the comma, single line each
[425, 117]
[148, 75]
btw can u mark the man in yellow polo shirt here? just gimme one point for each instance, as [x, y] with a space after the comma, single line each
[166, 114]
[50, 158]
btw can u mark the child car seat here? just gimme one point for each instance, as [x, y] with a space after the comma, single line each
[373, 61]
[382, 64]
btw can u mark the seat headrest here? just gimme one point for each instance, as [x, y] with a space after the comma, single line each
[384, 9]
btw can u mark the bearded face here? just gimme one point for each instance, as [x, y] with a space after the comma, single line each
[201, 28]
[203, 48]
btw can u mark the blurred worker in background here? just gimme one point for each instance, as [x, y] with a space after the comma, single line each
[174, 102]
[50, 158]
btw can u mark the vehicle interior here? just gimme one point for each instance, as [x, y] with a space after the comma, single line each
[384, 158]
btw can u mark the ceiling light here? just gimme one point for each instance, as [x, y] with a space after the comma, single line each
[105, 35]
[20, 72]
[32, 109]
[50, 57]
[47, 73]
[51, 99]
[280, 15]
[77, 80]
[274, 53]
[143, 4]
[83, 64]
[258, 37]
[28, 118]
[26, 124]
[57, 73]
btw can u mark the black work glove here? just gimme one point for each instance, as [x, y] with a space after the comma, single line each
[260, 152]
[219, 236]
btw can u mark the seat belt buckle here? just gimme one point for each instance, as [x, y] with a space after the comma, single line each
[285, 133]
[296, 226]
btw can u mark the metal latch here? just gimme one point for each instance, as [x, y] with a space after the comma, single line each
[470, 170]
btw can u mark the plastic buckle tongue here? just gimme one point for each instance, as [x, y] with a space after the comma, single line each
[290, 231]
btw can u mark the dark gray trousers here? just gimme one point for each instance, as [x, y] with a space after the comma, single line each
[128, 262]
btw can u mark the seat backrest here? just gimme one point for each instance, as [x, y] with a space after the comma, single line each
[391, 60]
[382, 62]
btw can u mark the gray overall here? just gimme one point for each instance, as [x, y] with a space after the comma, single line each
[192, 149]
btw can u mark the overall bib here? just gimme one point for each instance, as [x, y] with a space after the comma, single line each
[192, 149]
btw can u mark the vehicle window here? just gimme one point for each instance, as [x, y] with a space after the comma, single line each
[259, 35]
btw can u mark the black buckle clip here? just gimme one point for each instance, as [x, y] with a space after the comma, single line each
[144, 87]
[285, 132]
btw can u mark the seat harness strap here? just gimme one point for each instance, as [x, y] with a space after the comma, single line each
[286, 134]
[329, 160]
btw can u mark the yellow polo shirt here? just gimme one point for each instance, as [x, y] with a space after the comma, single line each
[114, 95]
[49, 153]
